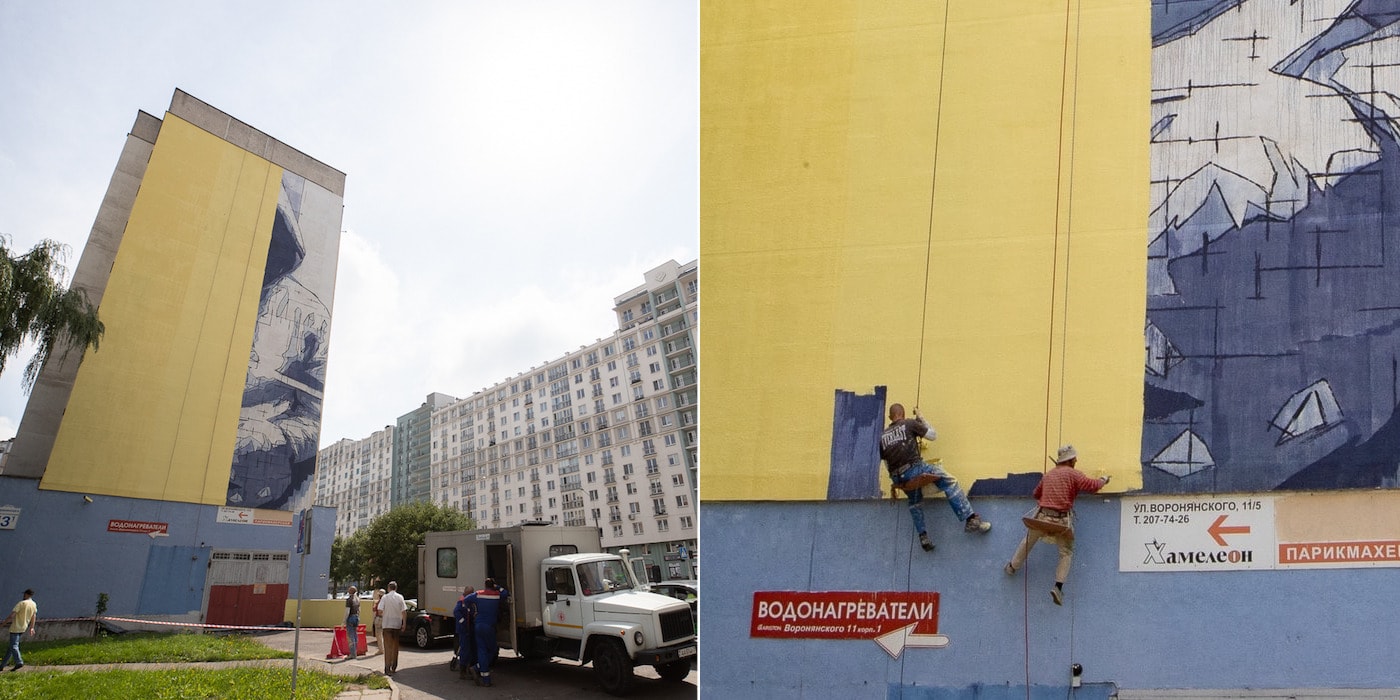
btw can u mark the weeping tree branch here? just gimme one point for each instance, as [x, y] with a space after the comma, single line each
[34, 306]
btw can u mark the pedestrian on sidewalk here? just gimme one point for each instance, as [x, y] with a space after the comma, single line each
[392, 607]
[23, 617]
[352, 621]
[1053, 517]
[377, 622]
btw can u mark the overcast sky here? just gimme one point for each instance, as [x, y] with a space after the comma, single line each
[510, 166]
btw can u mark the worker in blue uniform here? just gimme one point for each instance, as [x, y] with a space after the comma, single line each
[489, 602]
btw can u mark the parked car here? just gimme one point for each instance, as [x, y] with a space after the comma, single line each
[418, 627]
[685, 589]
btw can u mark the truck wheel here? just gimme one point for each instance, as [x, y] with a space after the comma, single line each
[675, 671]
[613, 667]
[422, 636]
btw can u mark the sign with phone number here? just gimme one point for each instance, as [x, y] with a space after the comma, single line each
[1196, 533]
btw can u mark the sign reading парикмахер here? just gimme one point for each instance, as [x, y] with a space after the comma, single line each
[1234, 532]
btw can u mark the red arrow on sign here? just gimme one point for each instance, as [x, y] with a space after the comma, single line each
[1218, 528]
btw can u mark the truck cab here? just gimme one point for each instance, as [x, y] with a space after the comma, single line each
[567, 599]
[594, 610]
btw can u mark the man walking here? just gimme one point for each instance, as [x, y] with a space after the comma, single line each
[899, 448]
[391, 609]
[22, 617]
[488, 602]
[1053, 519]
[352, 621]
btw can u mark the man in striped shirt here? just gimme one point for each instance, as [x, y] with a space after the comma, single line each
[1053, 518]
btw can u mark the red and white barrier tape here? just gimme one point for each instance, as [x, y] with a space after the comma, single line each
[261, 628]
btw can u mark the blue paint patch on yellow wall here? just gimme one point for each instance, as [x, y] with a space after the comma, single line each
[855, 445]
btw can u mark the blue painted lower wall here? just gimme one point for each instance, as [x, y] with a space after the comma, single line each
[61, 548]
[1328, 628]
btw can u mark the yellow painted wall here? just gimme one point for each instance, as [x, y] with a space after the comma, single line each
[153, 414]
[945, 198]
[327, 613]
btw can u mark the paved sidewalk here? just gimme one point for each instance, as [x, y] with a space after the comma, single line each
[312, 651]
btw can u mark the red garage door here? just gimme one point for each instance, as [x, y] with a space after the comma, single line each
[246, 588]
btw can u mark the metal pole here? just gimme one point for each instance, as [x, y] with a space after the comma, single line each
[296, 637]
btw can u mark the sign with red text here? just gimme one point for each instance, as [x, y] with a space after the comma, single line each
[254, 516]
[1260, 531]
[896, 620]
[142, 527]
[1196, 533]
[1340, 554]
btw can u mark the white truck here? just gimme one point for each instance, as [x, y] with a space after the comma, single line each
[567, 599]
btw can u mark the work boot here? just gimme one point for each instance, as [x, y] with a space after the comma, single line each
[925, 542]
[975, 523]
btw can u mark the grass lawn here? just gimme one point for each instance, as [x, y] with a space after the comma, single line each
[147, 648]
[230, 684]
[233, 683]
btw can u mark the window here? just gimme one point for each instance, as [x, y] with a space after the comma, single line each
[447, 562]
[560, 581]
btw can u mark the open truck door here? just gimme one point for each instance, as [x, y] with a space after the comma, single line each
[500, 565]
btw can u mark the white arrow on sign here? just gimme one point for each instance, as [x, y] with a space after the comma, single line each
[894, 642]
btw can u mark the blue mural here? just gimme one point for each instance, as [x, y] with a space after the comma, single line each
[280, 424]
[1272, 334]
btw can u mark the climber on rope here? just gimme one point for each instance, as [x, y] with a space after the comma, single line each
[1053, 517]
[899, 448]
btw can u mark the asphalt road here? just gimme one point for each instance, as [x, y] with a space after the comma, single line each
[424, 674]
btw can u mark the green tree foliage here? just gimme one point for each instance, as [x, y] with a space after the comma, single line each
[346, 564]
[35, 307]
[389, 548]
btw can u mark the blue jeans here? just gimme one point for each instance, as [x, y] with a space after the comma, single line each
[947, 483]
[14, 649]
[352, 632]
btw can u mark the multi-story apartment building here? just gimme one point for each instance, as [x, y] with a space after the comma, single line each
[354, 477]
[605, 435]
[412, 458]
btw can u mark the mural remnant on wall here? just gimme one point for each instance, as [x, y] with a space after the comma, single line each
[280, 423]
[1273, 312]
